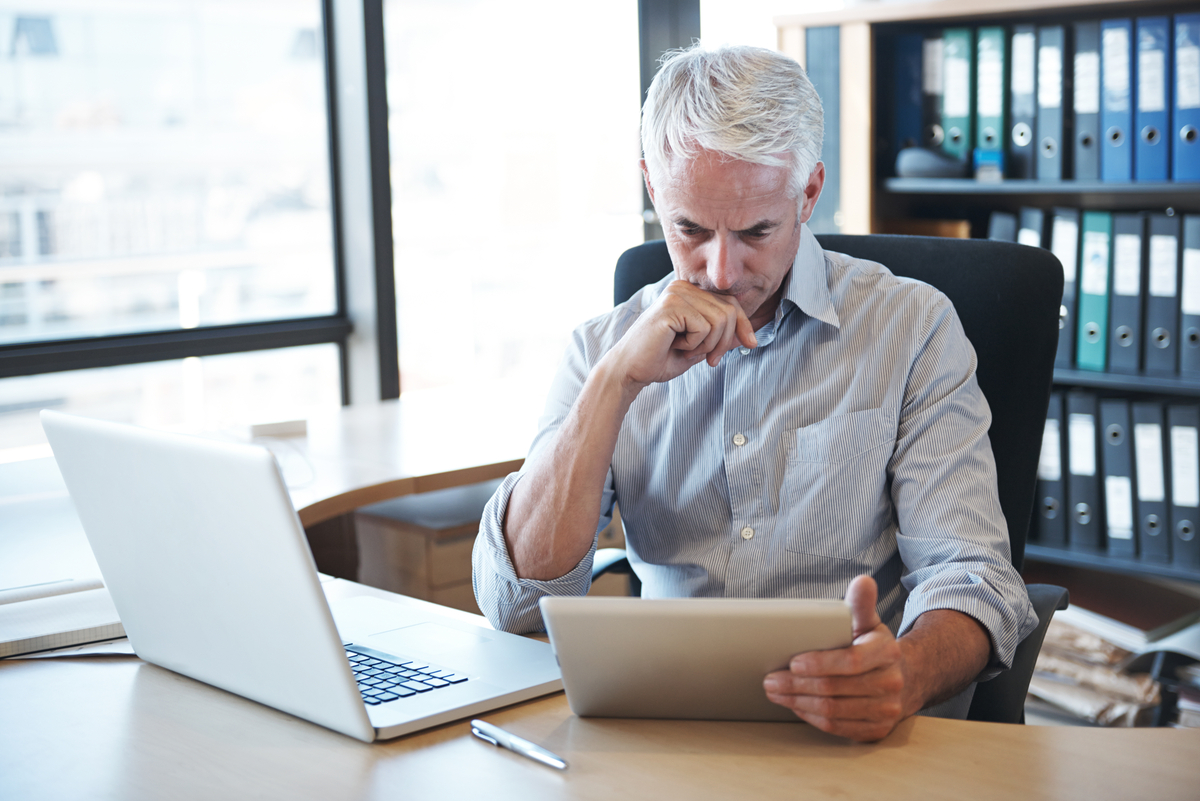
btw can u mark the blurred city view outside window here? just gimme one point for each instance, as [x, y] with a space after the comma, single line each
[164, 165]
[199, 394]
[513, 136]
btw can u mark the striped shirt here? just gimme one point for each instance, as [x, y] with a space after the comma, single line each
[852, 440]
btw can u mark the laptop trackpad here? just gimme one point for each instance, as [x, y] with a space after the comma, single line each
[430, 640]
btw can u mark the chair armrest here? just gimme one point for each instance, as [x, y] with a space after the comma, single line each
[613, 560]
[1002, 700]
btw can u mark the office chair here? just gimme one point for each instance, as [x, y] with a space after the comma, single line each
[1007, 297]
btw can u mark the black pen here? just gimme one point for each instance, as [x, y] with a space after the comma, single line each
[518, 745]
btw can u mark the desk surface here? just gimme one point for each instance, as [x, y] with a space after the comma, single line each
[115, 727]
[351, 457]
[364, 454]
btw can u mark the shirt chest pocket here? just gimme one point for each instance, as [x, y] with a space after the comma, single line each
[833, 501]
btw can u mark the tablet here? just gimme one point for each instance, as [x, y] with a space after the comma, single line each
[684, 658]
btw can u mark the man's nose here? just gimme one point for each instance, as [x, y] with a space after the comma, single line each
[723, 264]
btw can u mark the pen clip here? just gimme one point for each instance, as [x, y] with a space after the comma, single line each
[484, 737]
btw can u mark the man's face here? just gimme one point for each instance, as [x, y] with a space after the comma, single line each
[732, 228]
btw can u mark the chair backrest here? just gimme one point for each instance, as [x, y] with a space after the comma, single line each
[1008, 299]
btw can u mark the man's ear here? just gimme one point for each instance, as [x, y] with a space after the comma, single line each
[646, 178]
[812, 191]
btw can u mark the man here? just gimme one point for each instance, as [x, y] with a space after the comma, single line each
[832, 444]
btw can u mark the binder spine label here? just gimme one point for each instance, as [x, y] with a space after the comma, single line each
[1087, 83]
[1049, 77]
[1127, 265]
[1115, 42]
[1162, 266]
[1022, 73]
[1064, 243]
[1118, 509]
[958, 88]
[1185, 454]
[1095, 263]
[1050, 462]
[931, 66]
[1081, 432]
[1187, 77]
[1152, 83]
[1147, 443]
[1190, 299]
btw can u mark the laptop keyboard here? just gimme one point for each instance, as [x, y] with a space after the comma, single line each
[382, 680]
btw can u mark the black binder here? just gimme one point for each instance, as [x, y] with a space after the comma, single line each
[1064, 243]
[1125, 319]
[1189, 296]
[1161, 349]
[1120, 511]
[1002, 226]
[1053, 99]
[1149, 452]
[1184, 422]
[1085, 521]
[1023, 101]
[1085, 89]
[1031, 227]
[933, 134]
[1050, 507]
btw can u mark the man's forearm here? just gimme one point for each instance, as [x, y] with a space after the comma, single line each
[552, 515]
[943, 653]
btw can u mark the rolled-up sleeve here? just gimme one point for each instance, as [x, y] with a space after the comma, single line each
[952, 534]
[509, 602]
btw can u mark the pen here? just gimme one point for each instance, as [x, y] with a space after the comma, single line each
[518, 745]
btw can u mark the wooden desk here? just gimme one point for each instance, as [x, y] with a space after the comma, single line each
[361, 455]
[351, 457]
[114, 727]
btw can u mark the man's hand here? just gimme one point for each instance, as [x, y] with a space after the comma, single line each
[684, 326]
[855, 692]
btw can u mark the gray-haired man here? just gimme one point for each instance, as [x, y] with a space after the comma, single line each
[834, 443]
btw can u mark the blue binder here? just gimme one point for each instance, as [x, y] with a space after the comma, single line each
[1116, 99]
[1152, 109]
[1185, 143]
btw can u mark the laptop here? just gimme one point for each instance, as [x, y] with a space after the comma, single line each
[685, 658]
[211, 574]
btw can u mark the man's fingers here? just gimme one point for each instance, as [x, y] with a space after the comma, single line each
[878, 682]
[839, 708]
[861, 595]
[875, 649]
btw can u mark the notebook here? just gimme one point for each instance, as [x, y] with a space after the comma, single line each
[209, 569]
[685, 658]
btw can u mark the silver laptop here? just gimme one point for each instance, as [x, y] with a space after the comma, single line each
[211, 574]
[685, 658]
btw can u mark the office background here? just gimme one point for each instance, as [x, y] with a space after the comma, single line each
[215, 213]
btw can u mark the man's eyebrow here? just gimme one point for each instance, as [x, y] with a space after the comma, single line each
[684, 222]
[760, 227]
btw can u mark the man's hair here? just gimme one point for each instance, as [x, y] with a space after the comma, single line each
[748, 103]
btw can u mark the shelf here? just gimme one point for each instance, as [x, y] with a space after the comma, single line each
[1145, 384]
[1091, 193]
[1096, 561]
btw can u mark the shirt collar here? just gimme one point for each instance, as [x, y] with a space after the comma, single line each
[807, 288]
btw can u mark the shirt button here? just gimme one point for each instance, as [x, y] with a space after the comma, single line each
[747, 533]
[744, 351]
[739, 440]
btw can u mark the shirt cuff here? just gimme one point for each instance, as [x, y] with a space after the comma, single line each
[511, 603]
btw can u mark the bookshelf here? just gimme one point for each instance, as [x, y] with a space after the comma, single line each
[871, 201]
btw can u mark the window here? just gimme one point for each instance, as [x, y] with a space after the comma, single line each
[163, 168]
[513, 134]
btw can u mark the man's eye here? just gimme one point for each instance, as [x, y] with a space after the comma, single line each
[755, 234]
[689, 230]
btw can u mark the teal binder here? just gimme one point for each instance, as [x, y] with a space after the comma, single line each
[958, 96]
[1094, 282]
[991, 97]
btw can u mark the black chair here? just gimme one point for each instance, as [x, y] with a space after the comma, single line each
[1007, 297]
